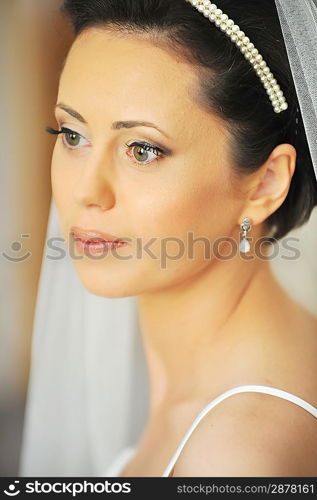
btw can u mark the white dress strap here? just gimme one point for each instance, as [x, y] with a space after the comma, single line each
[241, 388]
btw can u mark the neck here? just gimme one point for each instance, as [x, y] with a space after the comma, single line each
[189, 326]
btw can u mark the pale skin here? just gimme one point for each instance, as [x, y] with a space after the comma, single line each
[207, 324]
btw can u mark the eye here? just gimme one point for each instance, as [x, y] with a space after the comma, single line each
[71, 139]
[141, 153]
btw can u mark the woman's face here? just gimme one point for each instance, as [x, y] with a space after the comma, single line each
[101, 182]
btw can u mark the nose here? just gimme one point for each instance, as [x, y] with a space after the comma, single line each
[94, 189]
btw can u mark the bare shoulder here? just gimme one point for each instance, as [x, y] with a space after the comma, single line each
[249, 435]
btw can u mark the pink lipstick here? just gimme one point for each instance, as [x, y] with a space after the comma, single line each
[93, 241]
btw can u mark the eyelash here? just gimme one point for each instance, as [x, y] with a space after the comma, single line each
[160, 153]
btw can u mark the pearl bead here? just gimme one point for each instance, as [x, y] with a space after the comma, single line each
[244, 246]
[247, 48]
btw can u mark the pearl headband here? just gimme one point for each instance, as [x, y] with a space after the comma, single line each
[247, 48]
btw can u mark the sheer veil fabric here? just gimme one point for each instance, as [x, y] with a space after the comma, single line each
[87, 395]
[88, 387]
[299, 25]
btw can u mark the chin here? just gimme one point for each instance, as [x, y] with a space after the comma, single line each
[105, 283]
[107, 290]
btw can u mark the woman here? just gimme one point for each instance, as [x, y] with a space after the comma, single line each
[168, 143]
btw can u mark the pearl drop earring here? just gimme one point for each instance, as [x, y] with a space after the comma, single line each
[244, 244]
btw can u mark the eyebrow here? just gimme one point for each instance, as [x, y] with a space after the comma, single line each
[115, 125]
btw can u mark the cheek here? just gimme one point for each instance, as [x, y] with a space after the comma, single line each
[63, 185]
[183, 205]
[179, 206]
[56, 176]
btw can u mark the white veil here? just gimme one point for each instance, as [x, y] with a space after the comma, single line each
[87, 395]
[299, 25]
[88, 387]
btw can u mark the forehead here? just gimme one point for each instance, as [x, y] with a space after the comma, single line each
[107, 75]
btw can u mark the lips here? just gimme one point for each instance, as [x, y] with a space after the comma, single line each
[94, 235]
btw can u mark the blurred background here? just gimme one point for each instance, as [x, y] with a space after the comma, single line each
[34, 42]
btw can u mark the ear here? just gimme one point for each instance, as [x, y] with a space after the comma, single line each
[270, 184]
